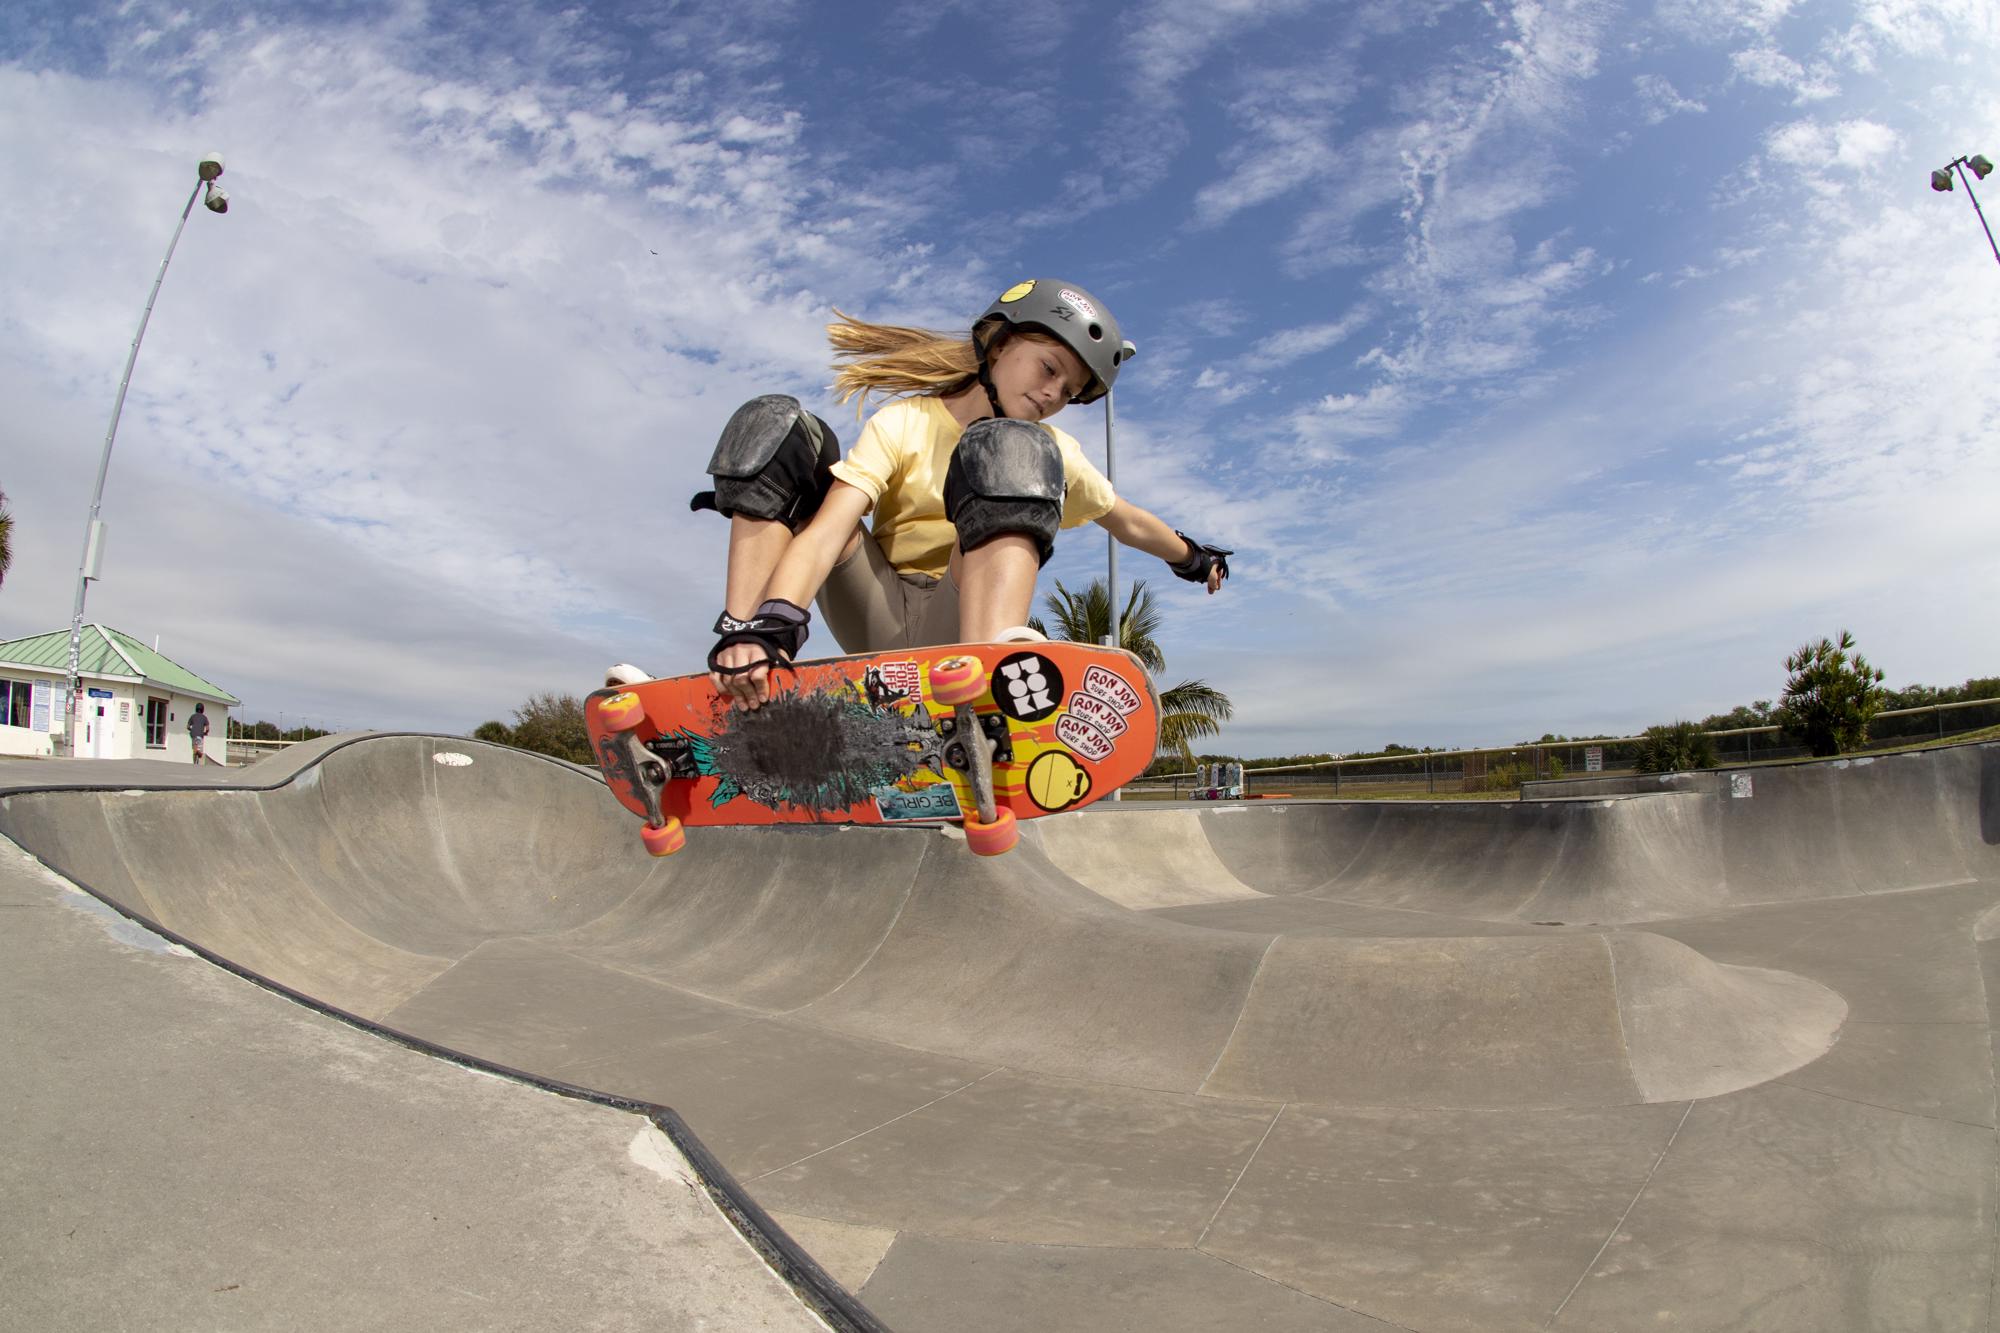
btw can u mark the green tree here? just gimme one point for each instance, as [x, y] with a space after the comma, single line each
[1675, 748]
[1189, 711]
[1759, 714]
[493, 733]
[1830, 697]
[552, 724]
[6, 537]
[240, 729]
[1923, 696]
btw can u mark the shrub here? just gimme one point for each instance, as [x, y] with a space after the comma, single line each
[1511, 772]
[552, 724]
[1831, 696]
[1674, 748]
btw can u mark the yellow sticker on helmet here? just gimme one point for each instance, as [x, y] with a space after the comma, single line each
[1017, 291]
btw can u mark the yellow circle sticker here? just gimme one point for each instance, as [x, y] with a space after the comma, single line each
[1056, 781]
[1017, 291]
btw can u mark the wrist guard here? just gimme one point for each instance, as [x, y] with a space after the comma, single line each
[778, 625]
[1200, 560]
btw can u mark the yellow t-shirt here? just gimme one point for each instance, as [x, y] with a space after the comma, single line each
[900, 462]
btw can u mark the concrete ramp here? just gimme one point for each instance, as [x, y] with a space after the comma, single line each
[1695, 843]
[374, 873]
[1150, 858]
[1314, 1065]
[1569, 1020]
[1607, 861]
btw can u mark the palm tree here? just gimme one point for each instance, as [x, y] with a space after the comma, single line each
[6, 537]
[1190, 710]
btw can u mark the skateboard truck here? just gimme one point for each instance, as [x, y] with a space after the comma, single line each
[958, 683]
[622, 754]
[999, 742]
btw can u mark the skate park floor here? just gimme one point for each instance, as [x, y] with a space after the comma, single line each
[385, 1029]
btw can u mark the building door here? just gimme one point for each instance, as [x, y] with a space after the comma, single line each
[98, 726]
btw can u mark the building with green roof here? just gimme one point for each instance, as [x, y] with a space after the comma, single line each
[136, 700]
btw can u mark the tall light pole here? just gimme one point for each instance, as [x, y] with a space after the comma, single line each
[206, 173]
[1126, 353]
[1111, 475]
[1941, 182]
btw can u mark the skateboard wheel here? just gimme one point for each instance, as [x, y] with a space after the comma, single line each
[665, 840]
[958, 680]
[995, 838]
[621, 712]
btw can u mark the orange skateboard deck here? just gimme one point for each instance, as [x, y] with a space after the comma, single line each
[869, 740]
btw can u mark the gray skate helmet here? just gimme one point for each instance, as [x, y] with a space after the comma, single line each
[1068, 312]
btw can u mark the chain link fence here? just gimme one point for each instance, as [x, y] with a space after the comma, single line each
[1502, 770]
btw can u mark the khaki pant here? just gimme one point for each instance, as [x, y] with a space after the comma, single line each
[870, 608]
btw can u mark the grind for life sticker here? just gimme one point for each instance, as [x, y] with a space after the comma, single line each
[898, 678]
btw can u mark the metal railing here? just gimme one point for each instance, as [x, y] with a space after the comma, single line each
[243, 750]
[1501, 769]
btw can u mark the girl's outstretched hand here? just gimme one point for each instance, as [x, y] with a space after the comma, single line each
[1202, 564]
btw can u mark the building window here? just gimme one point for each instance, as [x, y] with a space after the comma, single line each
[156, 724]
[17, 703]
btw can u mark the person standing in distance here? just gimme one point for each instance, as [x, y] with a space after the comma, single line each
[198, 730]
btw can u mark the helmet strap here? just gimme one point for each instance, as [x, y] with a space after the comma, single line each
[986, 376]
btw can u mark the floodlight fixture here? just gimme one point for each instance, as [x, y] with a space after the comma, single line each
[206, 171]
[1980, 167]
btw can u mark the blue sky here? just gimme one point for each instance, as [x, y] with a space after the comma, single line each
[1551, 366]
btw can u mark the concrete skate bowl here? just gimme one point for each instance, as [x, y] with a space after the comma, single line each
[1539, 1064]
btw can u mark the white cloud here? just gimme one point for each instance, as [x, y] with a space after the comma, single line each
[1925, 27]
[1294, 344]
[1659, 101]
[1286, 139]
[1322, 430]
[1725, 259]
[1722, 19]
[1170, 39]
[1815, 148]
[1219, 387]
[1769, 68]
[1289, 156]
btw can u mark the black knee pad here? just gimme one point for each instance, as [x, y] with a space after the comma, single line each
[774, 461]
[1005, 476]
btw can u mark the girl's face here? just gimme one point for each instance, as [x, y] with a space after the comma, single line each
[1036, 377]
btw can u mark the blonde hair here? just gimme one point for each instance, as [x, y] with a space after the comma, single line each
[892, 359]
